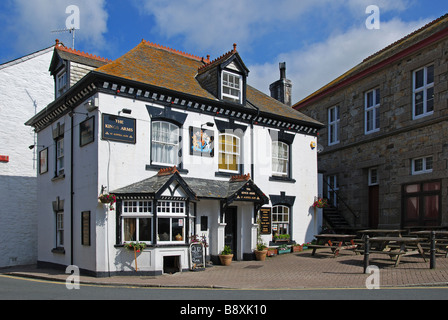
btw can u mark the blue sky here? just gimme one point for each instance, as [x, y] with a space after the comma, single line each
[318, 39]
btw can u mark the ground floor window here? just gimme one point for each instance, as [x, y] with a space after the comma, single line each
[137, 221]
[60, 229]
[422, 203]
[280, 220]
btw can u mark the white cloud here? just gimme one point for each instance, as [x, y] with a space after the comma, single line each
[314, 66]
[34, 20]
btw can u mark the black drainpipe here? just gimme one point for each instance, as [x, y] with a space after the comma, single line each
[71, 192]
[252, 141]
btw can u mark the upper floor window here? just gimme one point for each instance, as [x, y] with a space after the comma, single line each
[59, 156]
[165, 143]
[229, 153]
[372, 111]
[333, 125]
[280, 159]
[231, 87]
[61, 83]
[423, 92]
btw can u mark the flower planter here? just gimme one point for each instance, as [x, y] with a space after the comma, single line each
[283, 251]
[226, 259]
[271, 252]
[297, 248]
[261, 255]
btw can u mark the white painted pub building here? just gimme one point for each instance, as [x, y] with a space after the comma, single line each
[186, 147]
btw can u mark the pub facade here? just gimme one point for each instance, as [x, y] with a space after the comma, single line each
[186, 148]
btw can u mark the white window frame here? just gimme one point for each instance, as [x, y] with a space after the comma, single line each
[59, 229]
[165, 143]
[61, 83]
[334, 118]
[59, 156]
[229, 153]
[373, 177]
[372, 111]
[425, 161]
[424, 91]
[137, 209]
[283, 211]
[168, 209]
[332, 194]
[232, 85]
[276, 157]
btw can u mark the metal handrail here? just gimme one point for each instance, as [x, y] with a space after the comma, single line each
[343, 201]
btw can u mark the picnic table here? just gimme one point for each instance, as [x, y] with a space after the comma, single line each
[334, 242]
[440, 241]
[394, 247]
[382, 232]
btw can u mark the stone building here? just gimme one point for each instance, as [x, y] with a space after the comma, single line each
[384, 152]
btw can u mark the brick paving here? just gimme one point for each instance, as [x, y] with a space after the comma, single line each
[291, 271]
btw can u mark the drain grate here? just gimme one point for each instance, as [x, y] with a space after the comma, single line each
[253, 267]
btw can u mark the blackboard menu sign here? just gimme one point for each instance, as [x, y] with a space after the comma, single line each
[197, 256]
[118, 128]
[265, 221]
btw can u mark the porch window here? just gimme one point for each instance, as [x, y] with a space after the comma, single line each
[280, 220]
[171, 221]
[137, 221]
[423, 91]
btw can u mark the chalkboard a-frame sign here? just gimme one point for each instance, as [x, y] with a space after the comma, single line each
[197, 256]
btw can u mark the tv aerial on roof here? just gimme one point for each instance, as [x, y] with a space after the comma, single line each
[71, 30]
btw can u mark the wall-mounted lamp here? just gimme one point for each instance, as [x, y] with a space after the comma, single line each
[92, 104]
[72, 113]
[31, 147]
[208, 124]
[127, 111]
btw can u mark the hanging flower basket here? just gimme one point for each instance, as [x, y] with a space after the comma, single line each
[320, 203]
[107, 198]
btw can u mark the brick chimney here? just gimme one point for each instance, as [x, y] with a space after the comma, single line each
[281, 89]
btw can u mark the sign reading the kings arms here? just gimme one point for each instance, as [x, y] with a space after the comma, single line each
[247, 193]
[118, 128]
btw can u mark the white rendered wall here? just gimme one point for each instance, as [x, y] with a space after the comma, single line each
[25, 88]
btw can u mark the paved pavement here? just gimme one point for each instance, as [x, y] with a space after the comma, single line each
[289, 271]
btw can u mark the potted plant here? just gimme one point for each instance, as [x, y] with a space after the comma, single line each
[271, 252]
[107, 198]
[226, 256]
[282, 249]
[281, 238]
[320, 203]
[297, 248]
[261, 252]
[137, 247]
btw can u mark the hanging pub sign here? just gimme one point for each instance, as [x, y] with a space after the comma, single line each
[201, 142]
[197, 256]
[265, 221]
[118, 128]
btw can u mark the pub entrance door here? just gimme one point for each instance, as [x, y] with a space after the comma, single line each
[230, 230]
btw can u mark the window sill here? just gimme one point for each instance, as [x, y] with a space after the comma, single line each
[59, 177]
[150, 167]
[282, 179]
[59, 250]
[226, 174]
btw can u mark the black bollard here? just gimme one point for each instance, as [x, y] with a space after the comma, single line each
[366, 253]
[432, 258]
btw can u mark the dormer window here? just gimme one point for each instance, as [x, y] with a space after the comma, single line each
[231, 87]
[61, 83]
